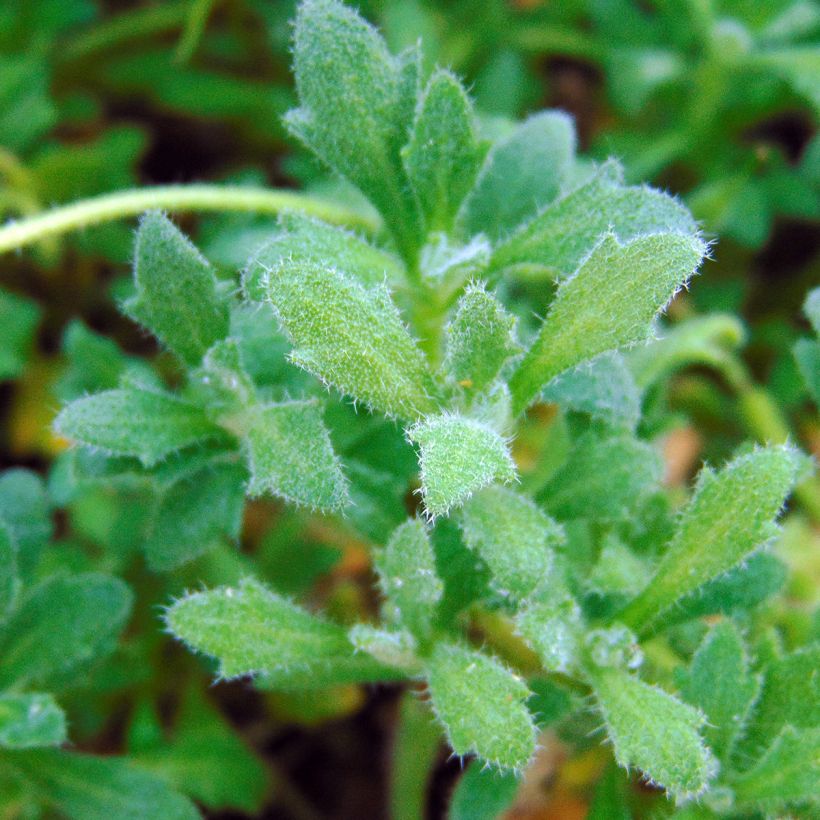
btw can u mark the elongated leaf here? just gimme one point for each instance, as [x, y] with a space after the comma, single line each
[513, 536]
[444, 154]
[176, 291]
[28, 721]
[608, 303]
[654, 731]
[84, 787]
[24, 511]
[458, 456]
[351, 337]
[64, 624]
[523, 172]
[18, 319]
[290, 455]
[807, 356]
[481, 704]
[731, 513]
[9, 578]
[134, 422]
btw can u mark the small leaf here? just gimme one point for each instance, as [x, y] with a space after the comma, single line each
[28, 721]
[731, 513]
[552, 625]
[408, 578]
[515, 538]
[351, 337]
[482, 794]
[290, 455]
[397, 649]
[480, 338]
[654, 731]
[131, 421]
[19, 318]
[523, 172]
[71, 621]
[458, 456]
[608, 303]
[481, 704]
[811, 307]
[176, 296]
[25, 513]
[444, 154]
[720, 684]
[9, 578]
[807, 356]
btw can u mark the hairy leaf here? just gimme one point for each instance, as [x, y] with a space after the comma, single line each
[25, 513]
[28, 721]
[552, 625]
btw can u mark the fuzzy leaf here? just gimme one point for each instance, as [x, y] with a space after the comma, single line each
[19, 318]
[458, 456]
[562, 234]
[146, 424]
[24, 511]
[608, 303]
[176, 291]
[480, 338]
[408, 578]
[28, 721]
[720, 684]
[444, 154]
[654, 731]
[290, 455]
[513, 536]
[397, 649]
[70, 620]
[9, 578]
[523, 172]
[731, 513]
[552, 625]
[351, 337]
[481, 704]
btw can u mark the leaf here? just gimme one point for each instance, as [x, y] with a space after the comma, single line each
[482, 794]
[290, 455]
[654, 731]
[176, 295]
[25, 513]
[481, 704]
[523, 172]
[84, 787]
[807, 356]
[811, 307]
[720, 684]
[64, 623]
[562, 234]
[515, 538]
[9, 577]
[408, 578]
[798, 66]
[351, 337]
[131, 421]
[552, 624]
[610, 799]
[356, 103]
[398, 649]
[608, 303]
[480, 338]
[731, 513]
[443, 155]
[19, 318]
[458, 456]
[249, 630]
[787, 773]
[28, 721]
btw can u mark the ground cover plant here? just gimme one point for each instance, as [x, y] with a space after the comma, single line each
[455, 370]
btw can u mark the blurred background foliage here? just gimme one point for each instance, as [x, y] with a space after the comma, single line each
[715, 101]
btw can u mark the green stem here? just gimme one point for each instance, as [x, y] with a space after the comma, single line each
[198, 15]
[110, 207]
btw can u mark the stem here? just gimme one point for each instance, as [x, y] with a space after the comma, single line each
[194, 29]
[110, 207]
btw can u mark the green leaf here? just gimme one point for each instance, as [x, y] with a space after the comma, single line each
[350, 336]
[444, 154]
[654, 731]
[482, 706]
[132, 421]
[564, 232]
[731, 513]
[513, 536]
[807, 356]
[720, 684]
[176, 299]
[9, 577]
[64, 623]
[28, 721]
[398, 649]
[25, 513]
[798, 65]
[408, 578]
[480, 338]
[356, 104]
[523, 172]
[608, 303]
[482, 794]
[610, 799]
[84, 787]
[788, 772]
[811, 307]
[19, 318]
[290, 455]
[552, 625]
[458, 456]
[249, 630]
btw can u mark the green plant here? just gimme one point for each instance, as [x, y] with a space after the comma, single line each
[531, 573]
